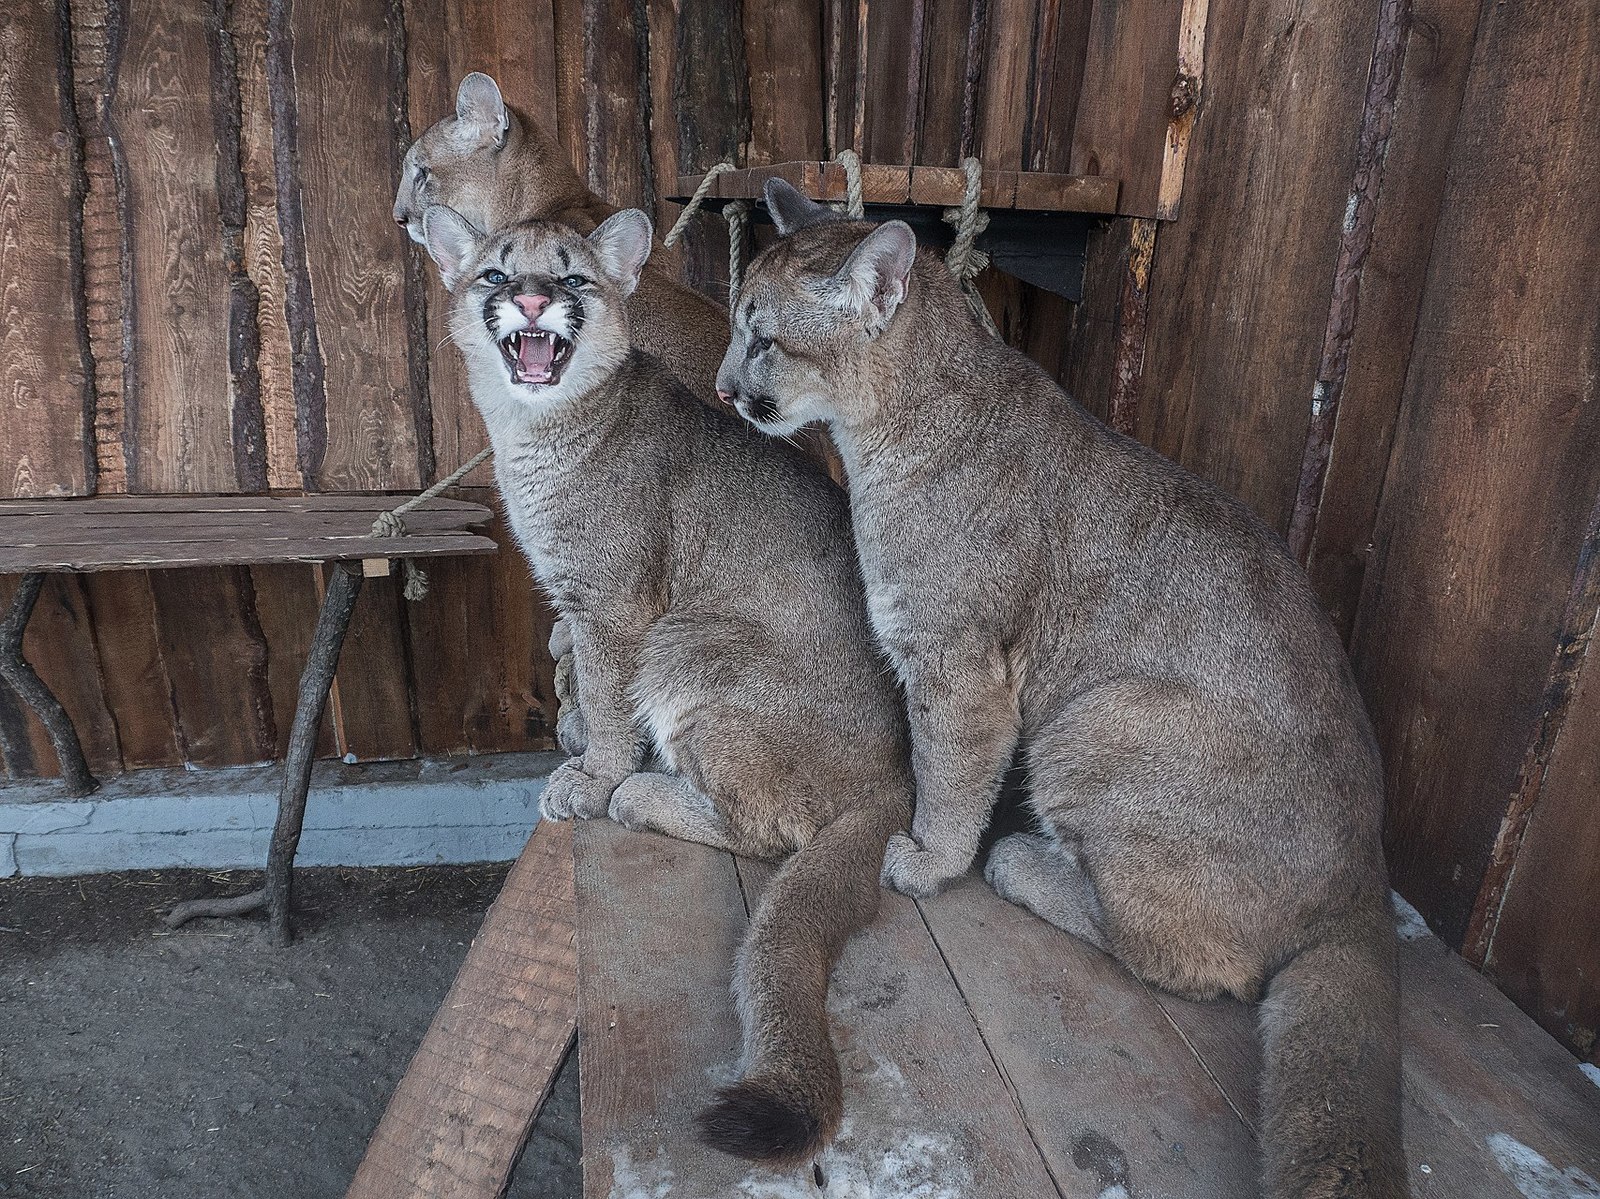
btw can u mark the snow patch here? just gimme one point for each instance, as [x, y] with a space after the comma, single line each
[1409, 924]
[1532, 1174]
[647, 1180]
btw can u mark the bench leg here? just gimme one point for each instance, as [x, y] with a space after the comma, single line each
[315, 681]
[31, 690]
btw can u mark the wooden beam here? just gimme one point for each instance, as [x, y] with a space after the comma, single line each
[457, 1122]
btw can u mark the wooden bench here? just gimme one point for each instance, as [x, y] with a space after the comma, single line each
[986, 1054]
[159, 532]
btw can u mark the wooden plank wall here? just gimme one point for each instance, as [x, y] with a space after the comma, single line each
[1373, 319]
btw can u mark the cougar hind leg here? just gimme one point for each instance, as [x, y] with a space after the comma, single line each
[1032, 871]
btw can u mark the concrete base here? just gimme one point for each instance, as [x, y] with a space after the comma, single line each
[412, 813]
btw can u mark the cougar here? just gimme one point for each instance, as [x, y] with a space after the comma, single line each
[1203, 774]
[495, 166]
[708, 580]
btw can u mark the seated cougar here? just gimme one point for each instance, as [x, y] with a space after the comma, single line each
[709, 582]
[495, 167]
[1203, 773]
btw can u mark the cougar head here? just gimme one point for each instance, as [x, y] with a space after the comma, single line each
[538, 308]
[810, 310]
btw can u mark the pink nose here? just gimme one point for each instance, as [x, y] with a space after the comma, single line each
[531, 305]
[725, 396]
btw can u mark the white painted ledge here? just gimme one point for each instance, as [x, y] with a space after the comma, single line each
[478, 809]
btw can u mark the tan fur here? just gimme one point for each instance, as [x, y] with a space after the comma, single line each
[1199, 759]
[707, 585]
[496, 176]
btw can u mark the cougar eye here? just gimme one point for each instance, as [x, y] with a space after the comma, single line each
[422, 174]
[760, 345]
[574, 281]
[494, 277]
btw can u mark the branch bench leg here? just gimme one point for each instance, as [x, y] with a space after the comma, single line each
[315, 681]
[30, 688]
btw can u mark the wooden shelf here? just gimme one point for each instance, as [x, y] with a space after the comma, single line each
[942, 187]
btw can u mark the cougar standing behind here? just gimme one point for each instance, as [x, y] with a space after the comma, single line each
[709, 581]
[1201, 767]
[496, 167]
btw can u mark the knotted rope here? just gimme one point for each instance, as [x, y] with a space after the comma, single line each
[854, 204]
[391, 524]
[964, 259]
[736, 213]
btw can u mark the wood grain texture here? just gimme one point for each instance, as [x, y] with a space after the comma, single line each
[60, 646]
[783, 54]
[138, 691]
[1061, 43]
[216, 662]
[176, 413]
[346, 170]
[99, 30]
[287, 599]
[1493, 475]
[1545, 939]
[515, 43]
[46, 438]
[1437, 54]
[263, 250]
[947, 26]
[659, 921]
[1234, 326]
[481, 671]
[373, 679]
[1121, 115]
[1110, 1092]
[456, 1123]
[896, 32]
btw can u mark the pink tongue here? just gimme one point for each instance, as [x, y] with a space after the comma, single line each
[536, 354]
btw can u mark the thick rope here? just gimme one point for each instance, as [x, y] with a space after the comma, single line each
[391, 524]
[964, 259]
[854, 204]
[737, 214]
[693, 206]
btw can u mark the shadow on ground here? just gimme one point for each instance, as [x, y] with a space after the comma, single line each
[141, 1064]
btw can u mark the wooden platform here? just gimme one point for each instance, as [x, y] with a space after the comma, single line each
[134, 532]
[987, 1054]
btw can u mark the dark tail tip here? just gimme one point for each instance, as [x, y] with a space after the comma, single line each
[751, 1120]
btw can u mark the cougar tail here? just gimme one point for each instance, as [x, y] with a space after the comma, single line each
[1330, 1086]
[788, 1103]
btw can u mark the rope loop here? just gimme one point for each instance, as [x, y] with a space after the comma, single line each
[391, 524]
[964, 260]
[737, 214]
[854, 204]
[693, 206]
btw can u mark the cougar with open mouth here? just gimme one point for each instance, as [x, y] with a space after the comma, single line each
[708, 578]
[1203, 773]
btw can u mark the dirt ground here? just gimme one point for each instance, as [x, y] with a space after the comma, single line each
[141, 1064]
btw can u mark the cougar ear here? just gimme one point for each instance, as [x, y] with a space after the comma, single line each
[481, 114]
[452, 241]
[790, 210]
[623, 244]
[874, 280]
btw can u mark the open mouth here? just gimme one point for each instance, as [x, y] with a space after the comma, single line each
[536, 356]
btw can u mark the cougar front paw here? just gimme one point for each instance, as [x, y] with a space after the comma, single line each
[1013, 861]
[560, 638]
[915, 871]
[571, 792]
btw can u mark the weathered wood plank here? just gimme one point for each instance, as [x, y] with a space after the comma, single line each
[287, 600]
[60, 646]
[1545, 939]
[458, 1119]
[292, 508]
[176, 416]
[138, 692]
[783, 53]
[941, 187]
[346, 156]
[373, 679]
[1485, 1088]
[1110, 1092]
[1120, 126]
[216, 662]
[948, 25]
[895, 33]
[1437, 54]
[46, 434]
[1060, 60]
[481, 672]
[658, 923]
[98, 29]
[1494, 475]
[1234, 330]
